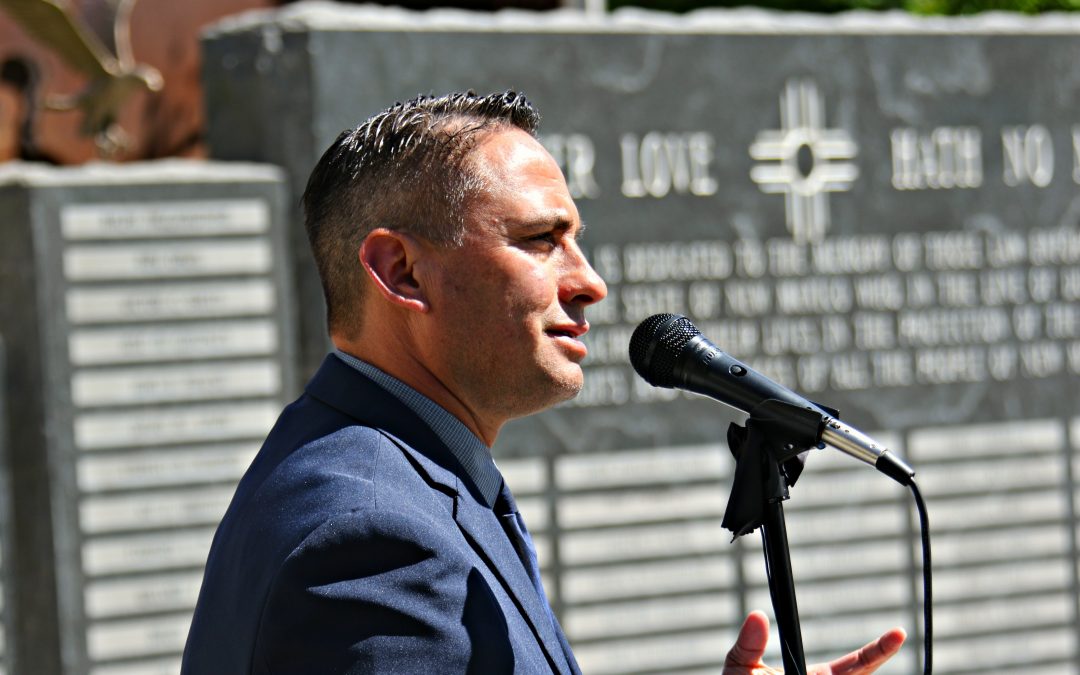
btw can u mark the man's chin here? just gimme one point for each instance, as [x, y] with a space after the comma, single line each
[573, 378]
[571, 387]
[566, 384]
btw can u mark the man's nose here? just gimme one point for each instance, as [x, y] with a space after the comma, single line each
[580, 283]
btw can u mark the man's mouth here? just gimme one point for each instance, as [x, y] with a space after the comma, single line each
[570, 330]
[569, 338]
[556, 332]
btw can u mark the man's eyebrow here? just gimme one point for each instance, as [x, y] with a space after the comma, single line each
[564, 223]
[555, 221]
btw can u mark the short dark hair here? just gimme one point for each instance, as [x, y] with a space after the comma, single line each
[404, 169]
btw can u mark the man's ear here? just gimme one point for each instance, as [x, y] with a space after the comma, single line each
[389, 258]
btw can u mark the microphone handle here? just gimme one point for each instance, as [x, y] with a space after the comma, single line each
[851, 441]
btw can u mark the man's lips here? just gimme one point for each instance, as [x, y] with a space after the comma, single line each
[568, 337]
[572, 330]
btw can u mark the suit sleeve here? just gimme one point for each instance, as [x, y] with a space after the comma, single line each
[381, 592]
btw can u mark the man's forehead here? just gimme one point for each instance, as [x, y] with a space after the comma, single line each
[522, 188]
[507, 149]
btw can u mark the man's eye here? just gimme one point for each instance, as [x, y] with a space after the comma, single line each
[545, 237]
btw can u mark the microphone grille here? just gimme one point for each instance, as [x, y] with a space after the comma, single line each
[656, 344]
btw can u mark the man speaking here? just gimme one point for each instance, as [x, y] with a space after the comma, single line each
[373, 533]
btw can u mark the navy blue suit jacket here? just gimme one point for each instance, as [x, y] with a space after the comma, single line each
[356, 543]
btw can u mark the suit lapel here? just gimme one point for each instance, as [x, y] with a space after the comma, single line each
[482, 528]
[567, 651]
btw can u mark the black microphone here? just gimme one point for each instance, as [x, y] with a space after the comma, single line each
[668, 351]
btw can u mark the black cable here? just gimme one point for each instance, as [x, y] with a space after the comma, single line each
[928, 614]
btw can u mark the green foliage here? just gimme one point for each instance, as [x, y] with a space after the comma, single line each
[939, 7]
[975, 6]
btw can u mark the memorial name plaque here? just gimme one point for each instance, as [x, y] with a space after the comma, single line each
[874, 209]
[138, 553]
[166, 260]
[148, 306]
[137, 344]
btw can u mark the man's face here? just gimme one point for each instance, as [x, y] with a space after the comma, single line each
[508, 307]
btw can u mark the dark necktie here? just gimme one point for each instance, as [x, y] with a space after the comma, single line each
[514, 525]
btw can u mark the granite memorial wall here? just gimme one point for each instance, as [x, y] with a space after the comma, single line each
[6, 585]
[149, 350]
[878, 211]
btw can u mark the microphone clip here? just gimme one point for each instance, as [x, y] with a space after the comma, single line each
[769, 457]
[789, 429]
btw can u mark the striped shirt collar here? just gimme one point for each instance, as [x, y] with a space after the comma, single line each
[470, 451]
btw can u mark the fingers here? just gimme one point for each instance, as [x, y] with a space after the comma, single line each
[750, 645]
[871, 656]
[745, 656]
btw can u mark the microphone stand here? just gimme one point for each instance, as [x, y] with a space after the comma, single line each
[766, 465]
[781, 583]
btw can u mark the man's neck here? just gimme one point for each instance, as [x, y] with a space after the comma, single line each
[402, 364]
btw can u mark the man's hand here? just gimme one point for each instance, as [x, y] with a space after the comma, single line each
[745, 657]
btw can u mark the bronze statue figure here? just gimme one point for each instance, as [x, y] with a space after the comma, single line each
[114, 76]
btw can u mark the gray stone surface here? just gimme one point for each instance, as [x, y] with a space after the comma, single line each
[7, 619]
[878, 210]
[147, 316]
